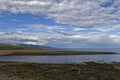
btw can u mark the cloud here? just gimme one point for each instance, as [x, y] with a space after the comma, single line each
[52, 29]
[67, 30]
[89, 40]
[92, 23]
[24, 38]
[81, 37]
[80, 13]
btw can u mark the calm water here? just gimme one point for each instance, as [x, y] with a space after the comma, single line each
[63, 59]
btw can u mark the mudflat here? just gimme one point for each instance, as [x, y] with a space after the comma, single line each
[47, 52]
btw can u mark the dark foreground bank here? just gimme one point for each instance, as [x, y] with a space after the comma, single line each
[32, 71]
[48, 52]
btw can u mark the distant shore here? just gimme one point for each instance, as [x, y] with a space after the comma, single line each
[33, 71]
[48, 52]
[14, 50]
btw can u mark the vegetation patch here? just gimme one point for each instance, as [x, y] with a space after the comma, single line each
[11, 47]
[33, 71]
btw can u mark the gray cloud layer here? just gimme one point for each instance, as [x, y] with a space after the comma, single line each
[58, 40]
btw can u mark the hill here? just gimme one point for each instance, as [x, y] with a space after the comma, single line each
[11, 47]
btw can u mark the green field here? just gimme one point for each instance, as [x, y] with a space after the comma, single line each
[11, 47]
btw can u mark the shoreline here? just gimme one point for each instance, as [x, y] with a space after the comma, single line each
[48, 52]
[35, 71]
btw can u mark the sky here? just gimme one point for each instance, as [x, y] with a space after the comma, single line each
[61, 23]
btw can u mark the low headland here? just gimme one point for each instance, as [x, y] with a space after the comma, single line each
[11, 50]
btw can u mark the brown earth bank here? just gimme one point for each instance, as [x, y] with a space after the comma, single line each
[34, 71]
[47, 52]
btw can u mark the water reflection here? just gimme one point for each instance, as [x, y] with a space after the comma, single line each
[63, 59]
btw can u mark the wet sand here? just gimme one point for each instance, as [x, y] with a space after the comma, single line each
[47, 52]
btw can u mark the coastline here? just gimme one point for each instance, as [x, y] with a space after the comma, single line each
[34, 71]
[48, 52]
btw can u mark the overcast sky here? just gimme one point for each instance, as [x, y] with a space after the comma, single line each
[61, 23]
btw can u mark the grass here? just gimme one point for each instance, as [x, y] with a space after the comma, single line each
[33, 71]
[11, 47]
[117, 67]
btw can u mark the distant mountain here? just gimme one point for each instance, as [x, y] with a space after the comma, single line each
[28, 46]
[35, 46]
[24, 46]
